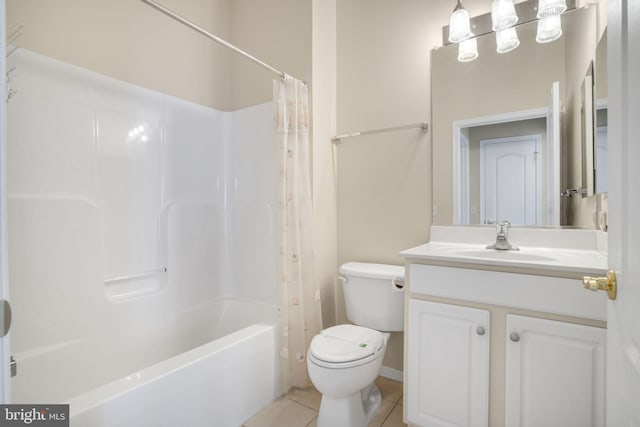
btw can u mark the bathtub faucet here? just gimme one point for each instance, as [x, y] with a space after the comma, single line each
[502, 244]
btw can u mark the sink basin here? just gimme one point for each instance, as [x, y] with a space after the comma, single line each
[504, 255]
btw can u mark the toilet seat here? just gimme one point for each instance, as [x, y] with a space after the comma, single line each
[346, 346]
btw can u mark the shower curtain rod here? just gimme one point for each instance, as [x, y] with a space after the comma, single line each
[214, 37]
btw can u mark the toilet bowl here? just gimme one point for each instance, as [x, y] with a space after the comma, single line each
[345, 360]
[343, 363]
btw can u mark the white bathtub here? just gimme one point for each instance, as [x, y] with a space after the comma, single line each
[222, 384]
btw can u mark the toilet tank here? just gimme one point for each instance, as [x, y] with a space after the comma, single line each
[374, 295]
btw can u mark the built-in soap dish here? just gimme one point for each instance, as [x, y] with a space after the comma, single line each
[127, 287]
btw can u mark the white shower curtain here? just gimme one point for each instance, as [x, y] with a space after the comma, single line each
[300, 315]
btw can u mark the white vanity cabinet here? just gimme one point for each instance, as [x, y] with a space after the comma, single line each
[526, 366]
[448, 364]
[555, 373]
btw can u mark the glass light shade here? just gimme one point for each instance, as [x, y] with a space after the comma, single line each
[459, 25]
[507, 40]
[503, 14]
[468, 50]
[548, 8]
[549, 29]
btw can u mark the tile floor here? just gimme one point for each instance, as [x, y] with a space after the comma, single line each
[299, 408]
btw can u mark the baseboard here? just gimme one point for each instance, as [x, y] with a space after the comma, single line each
[392, 374]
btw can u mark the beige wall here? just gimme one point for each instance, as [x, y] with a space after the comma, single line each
[324, 160]
[278, 32]
[384, 180]
[130, 41]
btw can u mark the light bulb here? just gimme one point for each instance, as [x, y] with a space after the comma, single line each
[468, 50]
[459, 24]
[549, 29]
[507, 40]
[503, 14]
[548, 8]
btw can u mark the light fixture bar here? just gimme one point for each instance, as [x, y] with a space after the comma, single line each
[527, 11]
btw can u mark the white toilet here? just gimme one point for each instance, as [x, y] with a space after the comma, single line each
[344, 360]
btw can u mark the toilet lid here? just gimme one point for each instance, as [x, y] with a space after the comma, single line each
[346, 343]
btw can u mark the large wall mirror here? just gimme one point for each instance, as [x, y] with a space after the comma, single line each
[507, 136]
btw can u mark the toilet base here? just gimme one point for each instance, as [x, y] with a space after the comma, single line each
[355, 410]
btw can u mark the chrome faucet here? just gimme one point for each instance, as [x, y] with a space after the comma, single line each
[502, 244]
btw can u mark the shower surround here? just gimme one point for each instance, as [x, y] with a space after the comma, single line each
[140, 227]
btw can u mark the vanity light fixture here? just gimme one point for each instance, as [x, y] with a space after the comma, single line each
[468, 50]
[507, 40]
[549, 29]
[459, 24]
[503, 14]
[504, 18]
[548, 8]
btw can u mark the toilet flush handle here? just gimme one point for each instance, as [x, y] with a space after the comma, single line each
[398, 283]
[343, 279]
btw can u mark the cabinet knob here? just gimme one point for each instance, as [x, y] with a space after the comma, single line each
[514, 337]
[480, 330]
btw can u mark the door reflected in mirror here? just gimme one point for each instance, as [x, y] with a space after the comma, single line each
[503, 165]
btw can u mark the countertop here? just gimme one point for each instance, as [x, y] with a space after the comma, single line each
[566, 253]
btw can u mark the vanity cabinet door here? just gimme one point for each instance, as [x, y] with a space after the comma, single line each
[555, 373]
[448, 365]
